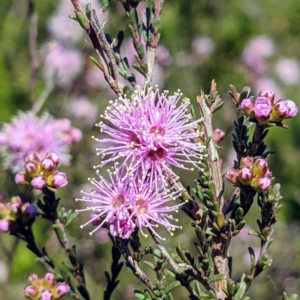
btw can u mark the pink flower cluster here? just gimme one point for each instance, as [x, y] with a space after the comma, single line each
[45, 288]
[127, 202]
[254, 173]
[28, 133]
[265, 109]
[149, 133]
[14, 211]
[42, 173]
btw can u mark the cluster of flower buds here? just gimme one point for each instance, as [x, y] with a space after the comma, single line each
[265, 109]
[42, 173]
[15, 211]
[251, 173]
[45, 288]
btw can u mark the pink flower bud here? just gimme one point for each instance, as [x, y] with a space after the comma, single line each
[267, 94]
[62, 289]
[16, 209]
[76, 134]
[47, 295]
[260, 167]
[57, 180]
[245, 176]
[48, 165]
[247, 106]
[279, 111]
[54, 157]
[39, 182]
[261, 184]
[262, 109]
[5, 225]
[32, 169]
[33, 157]
[35, 280]
[32, 292]
[232, 175]
[293, 109]
[20, 178]
[219, 135]
[246, 162]
[48, 281]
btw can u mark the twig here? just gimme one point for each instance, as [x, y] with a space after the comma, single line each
[34, 64]
[134, 264]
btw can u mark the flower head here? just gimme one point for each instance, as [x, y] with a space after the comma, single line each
[127, 202]
[28, 133]
[151, 132]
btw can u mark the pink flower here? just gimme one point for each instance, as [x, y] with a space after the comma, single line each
[203, 46]
[269, 94]
[5, 225]
[260, 167]
[31, 292]
[245, 175]
[57, 179]
[292, 109]
[39, 182]
[28, 133]
[150, 132]
[262, 109]
[46, 295]
[288, 71]
[62, 289]
[246, 162]
[246, 257]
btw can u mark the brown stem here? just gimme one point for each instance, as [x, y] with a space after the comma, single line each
[219, 245]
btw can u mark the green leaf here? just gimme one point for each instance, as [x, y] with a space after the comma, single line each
[150, 264]
[216, 278]
[172, 286]
[240, 292]
[139, 294]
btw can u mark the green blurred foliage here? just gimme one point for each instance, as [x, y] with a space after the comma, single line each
[229, 24]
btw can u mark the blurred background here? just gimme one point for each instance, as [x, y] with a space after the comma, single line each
[254, 43]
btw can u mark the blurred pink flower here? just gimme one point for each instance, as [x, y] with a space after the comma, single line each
[288, 71]
[62, 64]
[83, 109]
[28, 133]
[62, 28]
[266, 83]
[256, 51]
[243, 234]
[203, 46]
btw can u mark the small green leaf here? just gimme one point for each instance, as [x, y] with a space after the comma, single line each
[139, 294]
[172, 286]
[240, 292]
[216, 278]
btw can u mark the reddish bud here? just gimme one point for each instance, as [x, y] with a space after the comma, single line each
[48, 165]
[54, 157]
[39, 182]
[33, 157]
[261, 184]
[246, 162]
[32, 292]
[32, 169]
[47, 295]
[245, 176]
[232, 175]
[260, 167]
[247, 106]
[48, 281]
[62, 289]
[267, 94]
[20, 178]
[219, 135]
[57, 180]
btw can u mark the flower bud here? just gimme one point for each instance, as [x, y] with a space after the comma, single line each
[232, 175]
[57, 180]
[293, 109]
[54, 157]
[279, 111]
[262, 110]
[49, 280]
[31, 211]
[20, 178]
[247, 106]
[60, 290]
[33, 157]
[219, 135]
[5, 225]
[260, 167]
[35, 280]
[32, 169]
[32, 292]
[245, 176]
[268, 94]
[261, 184]
[47, 295]
[15, 209]
[39, 182]
[246, 162]
[48, 165]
